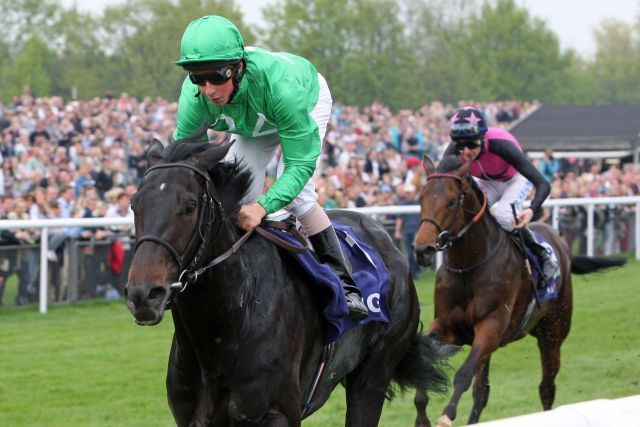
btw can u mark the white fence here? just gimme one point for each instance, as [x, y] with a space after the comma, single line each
[554, 204]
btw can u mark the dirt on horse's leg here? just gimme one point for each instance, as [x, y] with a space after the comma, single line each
[480, 392]
[421, 400]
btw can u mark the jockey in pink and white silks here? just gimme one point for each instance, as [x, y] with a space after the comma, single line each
[503, 172]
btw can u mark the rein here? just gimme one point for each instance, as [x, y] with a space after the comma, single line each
[280, 225]
[210, 207]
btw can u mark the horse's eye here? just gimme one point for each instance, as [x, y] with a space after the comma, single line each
[191, 207]
[451, 203]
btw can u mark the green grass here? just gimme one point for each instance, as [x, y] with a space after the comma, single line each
[88, 364]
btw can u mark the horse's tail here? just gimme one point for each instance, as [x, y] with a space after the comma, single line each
[586, 265]
[423, 366]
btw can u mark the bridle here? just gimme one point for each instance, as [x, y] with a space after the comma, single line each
[211, 208]
[445, 238]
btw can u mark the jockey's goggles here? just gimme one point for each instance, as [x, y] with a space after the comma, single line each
[468, 143]
[215, 77]
[464, 130]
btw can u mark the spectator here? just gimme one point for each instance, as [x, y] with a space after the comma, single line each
[28, 257]
[549, 167]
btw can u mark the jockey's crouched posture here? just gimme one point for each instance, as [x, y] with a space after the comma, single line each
[269, 100]
[504, 173]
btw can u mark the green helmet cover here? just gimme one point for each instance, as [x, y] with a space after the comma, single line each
[211, 38]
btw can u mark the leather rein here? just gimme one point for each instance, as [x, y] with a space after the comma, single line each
[212, 208]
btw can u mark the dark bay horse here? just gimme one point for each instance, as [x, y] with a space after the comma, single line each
[249, 332]
[483, 291]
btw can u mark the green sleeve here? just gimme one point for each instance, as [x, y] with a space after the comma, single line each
[192, 111]
[300, 142]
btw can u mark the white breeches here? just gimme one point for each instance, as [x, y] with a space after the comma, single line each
[500, 195]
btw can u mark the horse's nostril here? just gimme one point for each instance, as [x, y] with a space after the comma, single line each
[424, 249]
[157, 293]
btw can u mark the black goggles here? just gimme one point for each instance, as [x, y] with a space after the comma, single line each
[468, 143]
[215, 77]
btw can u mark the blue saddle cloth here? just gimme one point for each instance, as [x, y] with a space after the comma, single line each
[368, 272]
[544, 291]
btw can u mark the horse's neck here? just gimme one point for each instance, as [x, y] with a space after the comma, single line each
[478, 242]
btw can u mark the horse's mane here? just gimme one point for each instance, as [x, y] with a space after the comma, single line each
[232, 180]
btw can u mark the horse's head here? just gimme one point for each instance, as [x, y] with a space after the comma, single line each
[178, 213]
[447, 202]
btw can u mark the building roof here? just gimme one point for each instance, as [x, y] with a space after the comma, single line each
[580, 128]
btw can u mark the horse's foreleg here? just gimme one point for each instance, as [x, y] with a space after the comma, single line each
[550, 357]
[486, 341]
[185, 390]
[364, 404]
[420, 401]
[480, 392]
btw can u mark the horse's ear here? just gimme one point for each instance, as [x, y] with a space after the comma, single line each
[154, 152]
[213, 155]
[428, 165]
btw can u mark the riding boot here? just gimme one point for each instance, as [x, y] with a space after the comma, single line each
[328, 250]
[550, 269]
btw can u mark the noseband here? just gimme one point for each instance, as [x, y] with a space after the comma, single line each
[445, 239]
[210, 207]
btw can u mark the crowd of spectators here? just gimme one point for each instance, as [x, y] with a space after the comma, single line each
[85, 158]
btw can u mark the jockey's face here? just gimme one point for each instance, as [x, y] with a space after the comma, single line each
[470, 154]
[212, 85]
[218, 94]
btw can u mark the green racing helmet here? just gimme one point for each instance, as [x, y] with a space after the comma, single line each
[211, 39]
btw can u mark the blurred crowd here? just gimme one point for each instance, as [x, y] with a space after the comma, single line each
[65, 159]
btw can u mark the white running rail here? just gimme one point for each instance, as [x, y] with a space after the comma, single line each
[554, 204]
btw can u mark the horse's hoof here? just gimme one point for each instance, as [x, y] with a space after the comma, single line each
[444, 421]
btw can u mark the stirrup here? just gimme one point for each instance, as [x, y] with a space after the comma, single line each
[355, 305]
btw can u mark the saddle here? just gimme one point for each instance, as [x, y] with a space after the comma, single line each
[288, 225]
[368, 272]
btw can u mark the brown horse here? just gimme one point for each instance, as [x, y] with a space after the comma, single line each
[484, 291]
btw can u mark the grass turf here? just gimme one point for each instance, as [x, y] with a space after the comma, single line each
[88, 364]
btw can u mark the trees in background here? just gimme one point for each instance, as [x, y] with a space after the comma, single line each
[404, 53]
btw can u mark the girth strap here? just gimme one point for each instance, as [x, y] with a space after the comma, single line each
[325, 361]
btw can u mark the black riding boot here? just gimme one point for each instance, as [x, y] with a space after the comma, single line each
[550, 270]
[328, 250]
